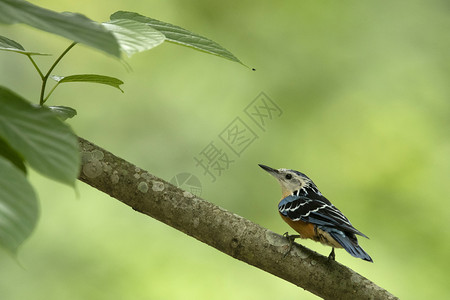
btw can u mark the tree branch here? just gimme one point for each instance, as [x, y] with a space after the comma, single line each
[221, 229]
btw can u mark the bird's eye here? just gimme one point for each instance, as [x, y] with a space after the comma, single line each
[288, 176]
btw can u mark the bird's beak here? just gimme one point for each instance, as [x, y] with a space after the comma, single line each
[279, 176]
[273, 172]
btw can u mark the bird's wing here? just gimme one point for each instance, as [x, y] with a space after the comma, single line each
[316, 210]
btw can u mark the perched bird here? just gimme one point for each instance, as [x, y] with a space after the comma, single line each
[309, 213]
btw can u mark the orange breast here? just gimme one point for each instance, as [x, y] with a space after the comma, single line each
[306, 230]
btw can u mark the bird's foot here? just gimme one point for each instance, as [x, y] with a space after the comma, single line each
[291, 239]
[332, 256]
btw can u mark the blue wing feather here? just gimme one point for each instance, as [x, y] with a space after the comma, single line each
[317, 211]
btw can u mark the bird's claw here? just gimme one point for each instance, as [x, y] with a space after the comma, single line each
[291, 239]
[332, 255]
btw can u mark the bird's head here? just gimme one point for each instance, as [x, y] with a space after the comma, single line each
[291, 181]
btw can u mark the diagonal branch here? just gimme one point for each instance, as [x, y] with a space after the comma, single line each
[221, 229]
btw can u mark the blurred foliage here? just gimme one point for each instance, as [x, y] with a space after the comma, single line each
[365, 97]
[58, 158]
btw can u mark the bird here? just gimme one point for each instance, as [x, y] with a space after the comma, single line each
[308, 212]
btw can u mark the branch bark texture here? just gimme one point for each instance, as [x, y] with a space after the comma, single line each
[221, 229]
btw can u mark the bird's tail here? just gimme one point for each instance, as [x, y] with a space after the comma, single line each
[350, 246]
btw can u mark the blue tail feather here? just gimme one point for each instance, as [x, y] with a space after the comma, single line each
[350, 246]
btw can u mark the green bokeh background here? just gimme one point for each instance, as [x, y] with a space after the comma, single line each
[364, 89]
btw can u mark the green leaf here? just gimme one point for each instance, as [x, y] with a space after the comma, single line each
[134, 37]
[19, 209]
[6, 43]
[10, 154]
[179, 35]
[45, 142]
[93, 78]
[75, 27]
[13, 46]
[63, 112]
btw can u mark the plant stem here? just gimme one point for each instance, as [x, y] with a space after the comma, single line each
[51, 91]
[45, 78]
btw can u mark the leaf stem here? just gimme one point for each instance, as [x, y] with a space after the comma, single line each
[36, 67]
[51, 91]
[45, 78]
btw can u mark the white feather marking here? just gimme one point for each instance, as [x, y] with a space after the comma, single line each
[315, 210]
